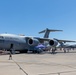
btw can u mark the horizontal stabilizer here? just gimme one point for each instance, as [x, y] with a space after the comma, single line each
[49, 30]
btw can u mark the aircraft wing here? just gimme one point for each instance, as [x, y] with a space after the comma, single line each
[43, 39]
[37, 39]
[52, 42]
[63, 40]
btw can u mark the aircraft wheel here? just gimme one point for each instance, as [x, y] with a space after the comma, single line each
[24, 51]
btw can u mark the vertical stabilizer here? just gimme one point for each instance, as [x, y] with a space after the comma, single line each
[47, 32]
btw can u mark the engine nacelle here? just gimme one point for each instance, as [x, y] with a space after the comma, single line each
[53, 43]
[33, 42]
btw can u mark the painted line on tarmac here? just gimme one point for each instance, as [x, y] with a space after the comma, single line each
[20, 67]
[52, 64]
[58, 73]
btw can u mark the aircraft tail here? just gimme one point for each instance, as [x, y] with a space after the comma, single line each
[47, 31]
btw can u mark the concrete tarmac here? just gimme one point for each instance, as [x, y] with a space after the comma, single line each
[39, 64]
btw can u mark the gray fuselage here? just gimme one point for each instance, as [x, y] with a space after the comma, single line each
[16, 42]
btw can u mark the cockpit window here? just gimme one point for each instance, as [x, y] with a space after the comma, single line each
[1, 36]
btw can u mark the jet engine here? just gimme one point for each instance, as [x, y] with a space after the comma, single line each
[53, 43]
[33, 42]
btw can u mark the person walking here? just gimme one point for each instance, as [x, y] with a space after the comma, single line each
[10, 56]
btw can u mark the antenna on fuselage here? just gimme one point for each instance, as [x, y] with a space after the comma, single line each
[21, 35]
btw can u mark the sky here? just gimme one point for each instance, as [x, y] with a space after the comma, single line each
[28, 17]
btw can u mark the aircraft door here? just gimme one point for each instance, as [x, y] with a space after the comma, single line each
[11, 46]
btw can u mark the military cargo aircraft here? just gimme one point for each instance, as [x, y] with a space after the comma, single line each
[24, 43]
[21, 43]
